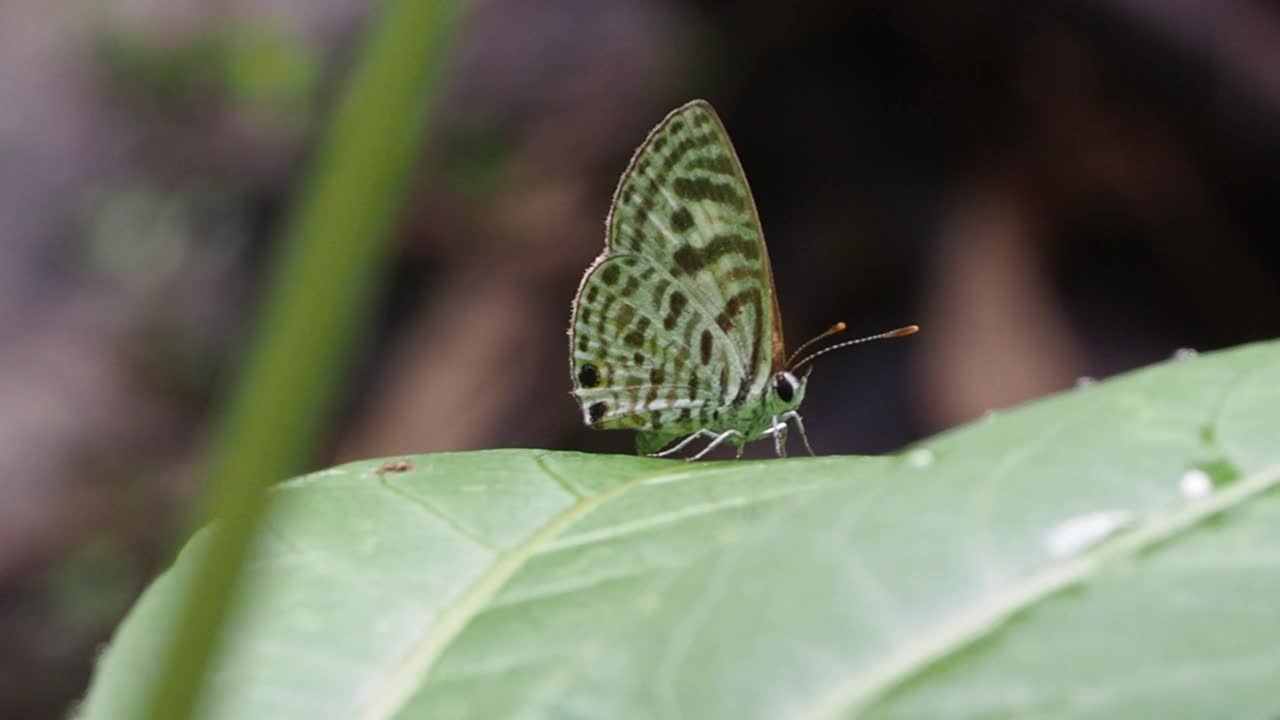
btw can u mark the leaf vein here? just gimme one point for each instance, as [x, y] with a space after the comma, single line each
[962, 629]
[437, 513]
[415, 667]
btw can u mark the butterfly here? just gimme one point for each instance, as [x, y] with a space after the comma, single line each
[675, 330]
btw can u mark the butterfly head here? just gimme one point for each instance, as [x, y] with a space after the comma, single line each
[786, 391]
[786, 387]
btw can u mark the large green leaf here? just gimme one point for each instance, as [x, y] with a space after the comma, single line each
[1055, 561]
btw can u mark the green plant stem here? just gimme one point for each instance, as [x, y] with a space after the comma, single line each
[323, 288]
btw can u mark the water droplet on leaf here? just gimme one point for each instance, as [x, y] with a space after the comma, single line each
[920, 457]
[1195, 484]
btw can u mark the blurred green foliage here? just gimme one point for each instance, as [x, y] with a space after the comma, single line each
[324, 284]
[261, 67]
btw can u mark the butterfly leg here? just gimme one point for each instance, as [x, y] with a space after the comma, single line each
[779, 431]
[683, 443]
[712, 445]
[793, 415]
[772, 432]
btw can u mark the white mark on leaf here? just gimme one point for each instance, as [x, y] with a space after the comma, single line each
[1077, 534]
[1195, 484]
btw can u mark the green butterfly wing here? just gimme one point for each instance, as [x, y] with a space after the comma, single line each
[675, 326]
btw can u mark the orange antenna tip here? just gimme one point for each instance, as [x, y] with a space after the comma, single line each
[833, 330]
[900, 332]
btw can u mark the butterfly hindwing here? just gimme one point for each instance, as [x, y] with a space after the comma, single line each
[634, 367]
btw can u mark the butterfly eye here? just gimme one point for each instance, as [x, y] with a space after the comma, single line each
[784, 384]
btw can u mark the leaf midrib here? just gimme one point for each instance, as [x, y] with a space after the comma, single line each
[978, 621]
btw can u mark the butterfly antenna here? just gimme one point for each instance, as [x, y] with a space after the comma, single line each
[900, 332]
[833, 330]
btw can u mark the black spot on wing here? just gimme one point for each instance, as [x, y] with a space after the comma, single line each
[751, 297]
[735, 304]
[719, 164]
[676, 305]
[681, 219]
[724, 387]
[597, 410]
[682, 150]
[625, 315]
[659, 290]
[697, 189]
[630, 287]
[691, 259]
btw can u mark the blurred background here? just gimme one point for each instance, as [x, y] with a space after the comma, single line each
[1054, 191]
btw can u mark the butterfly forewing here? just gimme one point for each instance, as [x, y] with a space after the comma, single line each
[676, 322]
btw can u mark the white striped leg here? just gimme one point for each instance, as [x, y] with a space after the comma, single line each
[683, 443]
[772, 432]
[779, 431]
[712, 445]
[793, 415]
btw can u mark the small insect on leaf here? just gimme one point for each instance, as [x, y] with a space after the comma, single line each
[394, 466]
[675, 330]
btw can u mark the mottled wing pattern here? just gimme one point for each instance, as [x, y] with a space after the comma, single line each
[676, 322]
